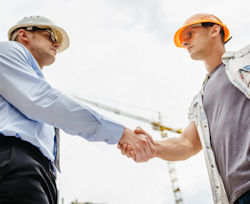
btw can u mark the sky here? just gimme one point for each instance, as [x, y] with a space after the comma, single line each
[122, 54]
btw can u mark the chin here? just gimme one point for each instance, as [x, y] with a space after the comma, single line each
[51, 60]
[195, 56]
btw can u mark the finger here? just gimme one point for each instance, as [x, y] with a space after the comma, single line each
[146, 154]
[138, 157]
[148, 150]
[150, 138]
[139, 150]
[124, 147]
[129, 149]
[128, 155]
[119, 146]
[132, 155]
[139, 130]
[142, 155]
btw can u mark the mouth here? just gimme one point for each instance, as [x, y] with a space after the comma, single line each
[189, 49]
[55, 50]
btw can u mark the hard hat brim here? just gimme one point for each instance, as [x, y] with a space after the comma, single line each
[178, 35]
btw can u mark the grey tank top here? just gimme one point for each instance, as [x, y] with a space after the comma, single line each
[228, 114]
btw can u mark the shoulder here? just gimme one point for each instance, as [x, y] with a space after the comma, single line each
[11, 50]
[11, 45]
[240, 55]
[238, 68]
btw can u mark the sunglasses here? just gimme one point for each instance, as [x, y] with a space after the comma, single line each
[35, 28]
[207, 24]
[52, 35]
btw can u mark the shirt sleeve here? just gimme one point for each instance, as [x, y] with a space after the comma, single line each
[192, 115]
[238, 69]
[37, 100]
[245, 76]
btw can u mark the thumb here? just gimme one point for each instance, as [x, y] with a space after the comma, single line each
[139, 130]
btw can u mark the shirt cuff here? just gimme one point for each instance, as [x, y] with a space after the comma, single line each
[110, 132]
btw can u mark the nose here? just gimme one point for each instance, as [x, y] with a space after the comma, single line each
[56, 45]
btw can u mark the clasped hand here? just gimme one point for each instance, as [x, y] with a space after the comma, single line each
[137, 145]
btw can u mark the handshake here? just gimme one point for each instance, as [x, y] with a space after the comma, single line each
[137, 145]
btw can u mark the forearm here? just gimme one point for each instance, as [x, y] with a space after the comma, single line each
[25, 88]
[175, 149]
[75, 119]
[172, 149]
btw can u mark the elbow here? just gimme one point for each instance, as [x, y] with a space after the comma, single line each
[191, 150]
[195, 149]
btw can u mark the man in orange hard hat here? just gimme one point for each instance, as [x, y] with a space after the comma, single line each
[219, 114]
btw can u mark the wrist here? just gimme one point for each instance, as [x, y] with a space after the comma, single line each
[125, 134]
[157, 145]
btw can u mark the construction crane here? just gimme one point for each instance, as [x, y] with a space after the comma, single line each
[156, 125]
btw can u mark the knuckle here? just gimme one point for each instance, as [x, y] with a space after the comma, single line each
[153, 150]
[144, 141]
[137, 150]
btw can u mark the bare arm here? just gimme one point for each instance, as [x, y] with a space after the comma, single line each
[179, 148]
[171, 149]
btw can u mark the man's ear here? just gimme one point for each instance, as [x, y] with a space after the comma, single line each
[23, 36]
[215, 30]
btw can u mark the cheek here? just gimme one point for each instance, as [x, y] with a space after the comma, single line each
[201, 42]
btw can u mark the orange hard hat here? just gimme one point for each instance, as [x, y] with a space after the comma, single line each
[199, 18]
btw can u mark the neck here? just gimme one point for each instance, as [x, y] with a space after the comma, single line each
[40, 65]
[214, 59]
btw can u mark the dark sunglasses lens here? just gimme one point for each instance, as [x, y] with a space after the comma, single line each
[35, 28]
[52, 35]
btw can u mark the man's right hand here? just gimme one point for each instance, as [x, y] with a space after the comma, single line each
[138, 146]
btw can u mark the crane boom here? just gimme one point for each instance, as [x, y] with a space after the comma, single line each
[157, 126]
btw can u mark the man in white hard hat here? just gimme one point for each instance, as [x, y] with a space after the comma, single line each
[219, 115]
[31, 111]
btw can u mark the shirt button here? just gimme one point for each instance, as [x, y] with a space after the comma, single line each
[205, 126]
[212, 165]
[208, 147]
[217, 187]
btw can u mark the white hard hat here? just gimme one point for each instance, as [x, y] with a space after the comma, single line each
[41, 22]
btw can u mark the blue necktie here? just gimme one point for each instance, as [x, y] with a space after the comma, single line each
[57, 160]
